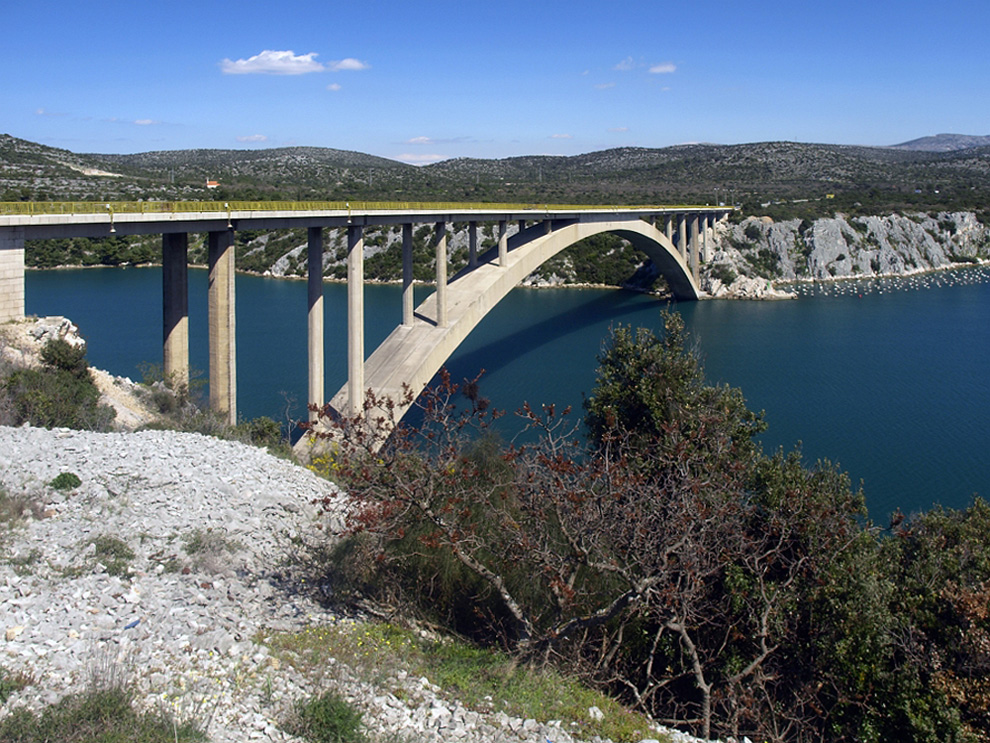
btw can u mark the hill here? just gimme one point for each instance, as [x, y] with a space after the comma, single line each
[945, 171]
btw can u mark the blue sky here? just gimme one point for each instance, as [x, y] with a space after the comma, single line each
[424, 81]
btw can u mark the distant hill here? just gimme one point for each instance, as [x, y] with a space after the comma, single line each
[944, 143]
[929, 173]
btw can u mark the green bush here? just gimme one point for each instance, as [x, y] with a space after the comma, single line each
[65, 481]
[327, 718]
[61, 394]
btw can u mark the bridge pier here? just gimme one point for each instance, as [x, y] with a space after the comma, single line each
[695, 259]
[503, 243]
[315, 318]
[175, 309]
[682, 236]
[440, 240]
[472, 244]
[407, 274]
[355, 319]
[11, 274]
[222, 326]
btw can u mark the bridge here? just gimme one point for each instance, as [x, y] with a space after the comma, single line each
[676, 238]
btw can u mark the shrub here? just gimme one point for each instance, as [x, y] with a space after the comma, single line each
[327, 718]
[62, 394]
[65, 481]
[114, 553]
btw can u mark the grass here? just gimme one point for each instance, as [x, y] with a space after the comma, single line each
[114, 553]
[484, 680]
[96, 716]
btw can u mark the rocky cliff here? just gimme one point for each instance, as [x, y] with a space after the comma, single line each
[758, 255]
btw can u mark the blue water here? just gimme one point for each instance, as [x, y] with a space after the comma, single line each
[888, 379]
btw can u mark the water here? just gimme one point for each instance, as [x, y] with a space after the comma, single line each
[886, 378]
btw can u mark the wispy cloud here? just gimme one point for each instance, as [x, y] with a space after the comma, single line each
[434, 140]
[561, 136]
[253, 138]
[663, 69]
[145, 122]
[273, 63]
[45, 112]
[604, 86]
[420, 159]
[334, 87]
[346, 65]
[625, 65]
[619, 129]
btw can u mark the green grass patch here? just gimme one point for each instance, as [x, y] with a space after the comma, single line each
[114, 553]
[97, 716]
[482, 679]
[65, 481]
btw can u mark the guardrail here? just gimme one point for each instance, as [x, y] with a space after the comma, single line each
[40, 208]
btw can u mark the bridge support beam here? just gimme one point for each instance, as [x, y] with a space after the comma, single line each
[355, 319]
[682, 236]
[315, 318]
[440, 239]
[175, 309]
[695, 260]
[11, 274]
[407, 274]
[222, 326]
[472, 244]
[668, 228]
[503, 243]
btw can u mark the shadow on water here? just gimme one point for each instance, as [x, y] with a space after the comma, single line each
[497, 354]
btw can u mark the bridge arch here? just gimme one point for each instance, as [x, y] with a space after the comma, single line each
[412, 354]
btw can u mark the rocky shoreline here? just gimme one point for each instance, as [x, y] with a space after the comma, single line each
[210, 524]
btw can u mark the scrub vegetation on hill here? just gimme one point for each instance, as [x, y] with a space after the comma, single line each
[668, 560]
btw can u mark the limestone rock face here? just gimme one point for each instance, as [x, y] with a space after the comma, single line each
[840, 247]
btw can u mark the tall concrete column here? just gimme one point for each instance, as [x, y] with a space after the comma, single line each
[682, 236]
[175, 309]
[11, 273]
[315, 319]
[503, 243]
[440, 239]
[547, 226]
[522, 225]
[695, 263]
[222, 326]
[705, 245]
[407, 274]
[472, 244]
[668, 228]
[355, 319]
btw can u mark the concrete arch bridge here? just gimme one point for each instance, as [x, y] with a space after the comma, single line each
[676, 238]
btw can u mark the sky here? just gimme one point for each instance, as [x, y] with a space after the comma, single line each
[431, 80]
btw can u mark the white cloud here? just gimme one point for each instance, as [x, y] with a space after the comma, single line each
[625, 65]
[420, 159]
[253, 138]
[349, 64]
[604, 86]
[334, 87]
[619, 129]
[419, 140]
[145, 122]
[663, 69]
[43, 112]
[561, 136]
[273, 63]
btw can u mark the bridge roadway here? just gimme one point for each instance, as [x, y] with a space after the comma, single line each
[675, 237]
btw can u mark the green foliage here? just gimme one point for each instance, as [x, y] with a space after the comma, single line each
[62, 394]
[653, 390]
[10, 683]
[96, 716]
[328, 718]
[65, 481]
[114, 553]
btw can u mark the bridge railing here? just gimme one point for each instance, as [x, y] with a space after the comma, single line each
[45, 208]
